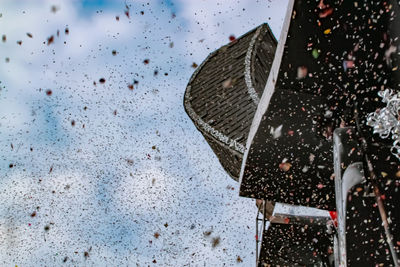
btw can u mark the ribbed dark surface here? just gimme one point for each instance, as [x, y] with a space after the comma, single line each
[230, 109]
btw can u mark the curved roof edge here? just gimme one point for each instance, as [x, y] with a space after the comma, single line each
[203, 126]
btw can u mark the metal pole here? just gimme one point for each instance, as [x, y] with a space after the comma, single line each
[373, 180]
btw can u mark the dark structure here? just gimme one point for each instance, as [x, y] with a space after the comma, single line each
[331, 61]
[308, 143]
[223, 93]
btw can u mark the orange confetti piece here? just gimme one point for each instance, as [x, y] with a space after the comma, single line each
[327, 31]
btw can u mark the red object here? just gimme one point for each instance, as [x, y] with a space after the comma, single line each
[232, 38]
[333, 215]
[326, 12]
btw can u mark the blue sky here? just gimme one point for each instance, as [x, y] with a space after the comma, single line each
[106, 167]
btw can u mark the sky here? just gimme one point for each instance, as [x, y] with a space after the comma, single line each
[99, 163]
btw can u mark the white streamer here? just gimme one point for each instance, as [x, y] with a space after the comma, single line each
[385, 121]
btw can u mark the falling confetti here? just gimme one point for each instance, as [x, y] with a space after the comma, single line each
[50, 40]
[302, 72]
[327, 31]
[285, 166]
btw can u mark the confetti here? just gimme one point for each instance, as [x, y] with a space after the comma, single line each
[315, 53]
[327, 31]
[285, 166]
[302, 72]
[215, 241]
[50, 40]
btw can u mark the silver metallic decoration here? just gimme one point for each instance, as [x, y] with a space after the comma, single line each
[385, 121]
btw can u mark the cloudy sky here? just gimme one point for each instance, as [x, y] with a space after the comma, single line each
[99, 164]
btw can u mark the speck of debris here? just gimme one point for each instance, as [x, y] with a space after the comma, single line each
[54, 9]
[207, 233]
[215, 241]
[50, 40]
